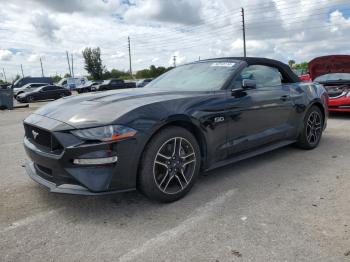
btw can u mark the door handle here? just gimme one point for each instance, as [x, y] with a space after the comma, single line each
[285, 98]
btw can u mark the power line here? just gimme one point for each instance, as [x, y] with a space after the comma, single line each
[295, 18]
[296, 2]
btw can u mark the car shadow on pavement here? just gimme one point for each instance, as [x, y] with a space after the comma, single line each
[339, 115]
[121, 207]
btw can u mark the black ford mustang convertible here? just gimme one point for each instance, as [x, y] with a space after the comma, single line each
[157, 139]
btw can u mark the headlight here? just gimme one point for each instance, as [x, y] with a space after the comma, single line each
[105, 133]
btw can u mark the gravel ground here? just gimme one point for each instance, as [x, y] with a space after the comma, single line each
[287, 205]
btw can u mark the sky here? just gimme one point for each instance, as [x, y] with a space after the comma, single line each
[160, 29]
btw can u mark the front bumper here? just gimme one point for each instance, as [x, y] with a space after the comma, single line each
[340, 104]
[58, 171]
[64, 188]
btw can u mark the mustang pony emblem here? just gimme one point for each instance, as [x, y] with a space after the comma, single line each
[35, 134]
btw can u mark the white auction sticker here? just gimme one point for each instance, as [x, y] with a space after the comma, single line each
[223, 64]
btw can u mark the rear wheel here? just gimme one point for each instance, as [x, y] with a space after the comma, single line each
[170, 165]
[312, 130]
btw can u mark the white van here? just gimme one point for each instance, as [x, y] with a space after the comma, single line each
[72, 82]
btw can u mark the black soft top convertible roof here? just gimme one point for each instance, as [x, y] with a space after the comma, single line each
[285, 70]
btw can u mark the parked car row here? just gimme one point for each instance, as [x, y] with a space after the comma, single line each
[30, 89]
[43, 93]
[113, 84]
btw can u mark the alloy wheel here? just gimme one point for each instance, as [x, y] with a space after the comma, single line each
[314, 128]
[30, 99]
[174, 165]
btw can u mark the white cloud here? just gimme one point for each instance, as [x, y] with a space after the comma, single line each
[5, 55]
[33, 58]
[118, 54]
[45, 25]
[174, 11]
[338, 21]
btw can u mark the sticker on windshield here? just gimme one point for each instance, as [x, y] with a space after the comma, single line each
[223, 64]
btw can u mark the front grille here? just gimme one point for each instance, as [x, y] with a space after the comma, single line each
[45, 170]
[43, 138]
[58, 179]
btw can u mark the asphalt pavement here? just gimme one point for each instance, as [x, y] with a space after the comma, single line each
[286, 205]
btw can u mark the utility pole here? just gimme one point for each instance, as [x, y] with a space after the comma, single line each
[72, 66]
[22, 71]
[70, 71]
[243, 24]
[42, 70]
[174, 60]
[199, 58]
[129, 45]
[3, 70]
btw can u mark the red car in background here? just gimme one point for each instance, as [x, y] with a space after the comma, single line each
[303, 75]
[333, 72]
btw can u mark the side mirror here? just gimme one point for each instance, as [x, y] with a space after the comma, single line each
[248, 84]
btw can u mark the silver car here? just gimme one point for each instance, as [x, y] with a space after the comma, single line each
[27, 87]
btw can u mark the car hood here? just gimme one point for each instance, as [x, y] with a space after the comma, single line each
[94, 109]
[329, 64]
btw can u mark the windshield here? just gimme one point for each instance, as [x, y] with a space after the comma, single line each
[17, 83]
[203, 76]
[333, 77]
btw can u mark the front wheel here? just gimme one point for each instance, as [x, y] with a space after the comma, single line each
[30, 99]
[170, 165]
[311, 134]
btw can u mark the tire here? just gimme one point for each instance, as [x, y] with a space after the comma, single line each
[165, 174]
[311, 133]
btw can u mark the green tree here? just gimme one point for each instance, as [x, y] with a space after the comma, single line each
[56, 78]
[303, 65]
[93, 62]
[152, 72]
[291, 63]
[67, 75]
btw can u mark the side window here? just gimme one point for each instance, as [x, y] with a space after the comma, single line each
[49, 88]
[265, 76]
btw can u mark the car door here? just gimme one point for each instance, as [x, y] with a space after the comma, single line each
[260, 114]
[49, 92]
[34, 86]
[119, 84]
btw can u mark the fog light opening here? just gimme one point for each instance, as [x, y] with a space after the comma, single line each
[95, 161]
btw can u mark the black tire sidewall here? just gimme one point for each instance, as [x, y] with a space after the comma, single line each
[146, 182]
[303, 142]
